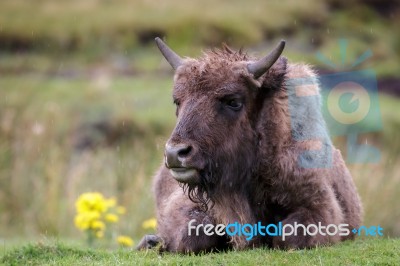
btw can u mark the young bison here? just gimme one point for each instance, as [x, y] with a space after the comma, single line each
[240, 153]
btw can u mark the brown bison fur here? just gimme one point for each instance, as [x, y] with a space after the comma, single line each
[247, 160]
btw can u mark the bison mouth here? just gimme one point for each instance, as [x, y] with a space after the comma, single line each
[196, 184]
[185, 175]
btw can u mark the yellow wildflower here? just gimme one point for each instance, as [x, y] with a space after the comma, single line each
[94, 212]
[91, 201]
[125, 241]
[81, 223]
[84, 220]
[97, 225]
[150, 224]
[111, 218]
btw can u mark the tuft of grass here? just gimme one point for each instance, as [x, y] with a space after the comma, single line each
[49, 254]
[361, 252]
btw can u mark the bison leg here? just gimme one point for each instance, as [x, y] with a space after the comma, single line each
[173, 229]
[148, 242]
[173, 234]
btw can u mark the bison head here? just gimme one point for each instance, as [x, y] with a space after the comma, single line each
[218, 100]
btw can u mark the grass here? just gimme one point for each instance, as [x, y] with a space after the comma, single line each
[361, 252]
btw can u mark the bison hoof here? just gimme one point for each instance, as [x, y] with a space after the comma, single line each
[148, 242]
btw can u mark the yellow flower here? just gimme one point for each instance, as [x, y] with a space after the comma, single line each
[111, 218]
[150, 224]
[84, 220]
[121, 210]
[94, 212]
[125, 241]
[81, 222]
[97, 225]
[91, 201]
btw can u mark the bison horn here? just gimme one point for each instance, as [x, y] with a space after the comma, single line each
[261, 66]
[173, 59]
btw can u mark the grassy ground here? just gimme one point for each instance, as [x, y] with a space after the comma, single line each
[360, 252]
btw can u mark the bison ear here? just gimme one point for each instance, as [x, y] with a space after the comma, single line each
[173, 59]
[261, 66]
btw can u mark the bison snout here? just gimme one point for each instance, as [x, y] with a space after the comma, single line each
[177, 158]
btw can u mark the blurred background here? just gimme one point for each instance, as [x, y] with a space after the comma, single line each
[85, 96]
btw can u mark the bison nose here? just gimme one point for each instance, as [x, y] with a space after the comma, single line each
[175, 155]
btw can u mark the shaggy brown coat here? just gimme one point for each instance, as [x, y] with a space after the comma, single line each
[248, 158]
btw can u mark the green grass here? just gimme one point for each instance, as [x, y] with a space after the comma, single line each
[361, 252]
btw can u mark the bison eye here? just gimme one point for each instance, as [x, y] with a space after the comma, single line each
[176, 102]
[234, 104]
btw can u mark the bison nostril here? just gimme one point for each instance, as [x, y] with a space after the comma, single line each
[175, 155]
[183, 152]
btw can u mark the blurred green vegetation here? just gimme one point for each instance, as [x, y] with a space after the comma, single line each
[85, 97]
[62, 137]
[49, 32]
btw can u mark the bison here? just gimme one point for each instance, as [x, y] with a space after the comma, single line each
[237, 155]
